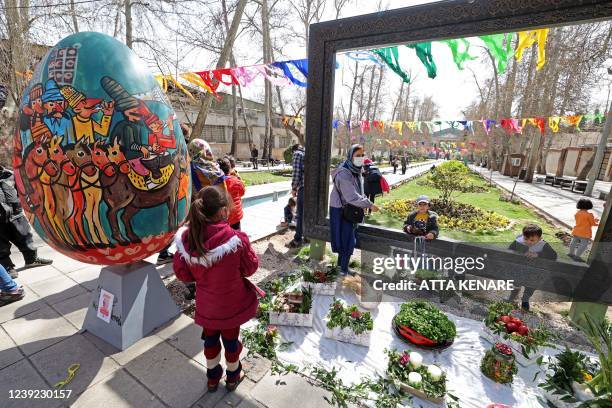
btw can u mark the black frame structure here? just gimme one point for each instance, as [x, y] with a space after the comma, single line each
[437, 21]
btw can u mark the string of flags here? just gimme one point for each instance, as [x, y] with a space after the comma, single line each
[295, 72]
[510, 125]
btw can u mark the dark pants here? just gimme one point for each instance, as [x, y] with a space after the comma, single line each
[212, 352]
[371, 197]
[236, 226]
[343, 238]
[16, 232]
[403, 170]
[254, 160]
[299, 215]
[394, 169]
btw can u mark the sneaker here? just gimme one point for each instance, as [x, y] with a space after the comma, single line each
[164, 259]
[37, 262]
[12, 296]
[14, 274]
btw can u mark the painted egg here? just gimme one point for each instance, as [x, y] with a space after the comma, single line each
[101, 165]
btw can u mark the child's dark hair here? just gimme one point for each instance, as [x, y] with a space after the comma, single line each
[207, 203]
[291, 202]
[584, 204]
[225, 166]
[532, 230]
[232, 161]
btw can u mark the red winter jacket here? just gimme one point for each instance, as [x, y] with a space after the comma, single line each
[225, 298]
[235, 187]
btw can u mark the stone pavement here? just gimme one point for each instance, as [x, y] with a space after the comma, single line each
[41, 336]
[556, 203]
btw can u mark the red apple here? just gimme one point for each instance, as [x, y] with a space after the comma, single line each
[511, 327]
[523, 330]
[505, 319]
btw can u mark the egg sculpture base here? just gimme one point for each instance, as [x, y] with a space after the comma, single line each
[129, 303]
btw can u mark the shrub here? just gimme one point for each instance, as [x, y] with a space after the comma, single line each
[336, 160]
[449, 177]
[288, 155]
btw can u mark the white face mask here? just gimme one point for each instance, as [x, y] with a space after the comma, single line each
[358, 161]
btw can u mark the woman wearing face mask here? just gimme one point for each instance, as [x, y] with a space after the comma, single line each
[347, 190]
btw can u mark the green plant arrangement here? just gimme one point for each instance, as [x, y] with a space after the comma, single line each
[600, 337]
[502, 323]
[423, 324]
[450, 177]
[567, 378]
[348, 324]
[499, 364]
[321, 281]
[292, 308]
[406, 370]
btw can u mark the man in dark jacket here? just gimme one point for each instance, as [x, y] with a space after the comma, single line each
[422, 222]
[254, 155]
[404, 162]
[14, 227]
[531, 244]
[371, 181]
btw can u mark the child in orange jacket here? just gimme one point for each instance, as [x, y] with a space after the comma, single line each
[582, 233]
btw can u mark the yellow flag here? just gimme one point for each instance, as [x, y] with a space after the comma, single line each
[553, 123]
[527, 38]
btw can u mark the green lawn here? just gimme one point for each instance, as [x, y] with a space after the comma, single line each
[252, 178]
[489, 200]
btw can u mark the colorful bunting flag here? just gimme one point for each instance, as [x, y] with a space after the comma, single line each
[390, 57]
[526, 39]
[499, 51]
[553, 123]
[459, 56]
[423, 52]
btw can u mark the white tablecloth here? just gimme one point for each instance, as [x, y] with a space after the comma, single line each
[461, 361]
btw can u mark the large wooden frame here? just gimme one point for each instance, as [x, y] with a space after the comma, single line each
[442, 20]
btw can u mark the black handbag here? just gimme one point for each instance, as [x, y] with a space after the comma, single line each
[350, 213]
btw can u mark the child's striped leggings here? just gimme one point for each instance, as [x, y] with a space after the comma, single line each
[212, 352]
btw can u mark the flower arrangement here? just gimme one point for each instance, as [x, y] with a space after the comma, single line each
[502, 322]
[292, 308]
[499, 364]
[322, 282]
[568, 377]
[424, 381]
[348, 324]
[424, 324]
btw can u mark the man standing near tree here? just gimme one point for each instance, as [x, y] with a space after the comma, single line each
[297, 190]
[254, 155]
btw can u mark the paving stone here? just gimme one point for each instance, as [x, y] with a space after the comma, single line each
[87, 277]
[23, 376]
[124, 357]
[56, 289]
[38, 330]
[61, 262]
[74, 309]
[53, 363]
[186, 336]
[250, 403]
[9, 353]
[41, 273]
[275, 391]
[174, 378]
[210, 399]
[119, 390]
[255, 367]
[233, 399]
[30, 303]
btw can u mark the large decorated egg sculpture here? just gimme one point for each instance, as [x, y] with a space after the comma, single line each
[101, 165]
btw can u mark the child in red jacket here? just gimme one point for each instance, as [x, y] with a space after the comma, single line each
[218, 258]
[236, 189]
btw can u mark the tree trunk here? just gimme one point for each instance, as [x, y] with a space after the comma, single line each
[17, 16]
[265, 28]
[128, 23]
[370, 90]
[587, 168]
[75, 22]
[223, 57]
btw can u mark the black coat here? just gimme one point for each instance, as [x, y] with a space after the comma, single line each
[10, 206]
[371, 182]
[431, 225]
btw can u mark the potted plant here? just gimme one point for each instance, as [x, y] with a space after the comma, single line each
[503, 324]
[409, 373]
[348, 324]
[423, 324]
[499, 364]
[322, 282]
[292, 308]
[567, 379]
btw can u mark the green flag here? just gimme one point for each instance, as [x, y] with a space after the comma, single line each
[390, 57]
[500, 53]
[423, 51]
[459, 56]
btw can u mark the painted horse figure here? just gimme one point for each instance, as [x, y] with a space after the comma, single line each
[68, 194]
[88, 182]
[120, 193]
